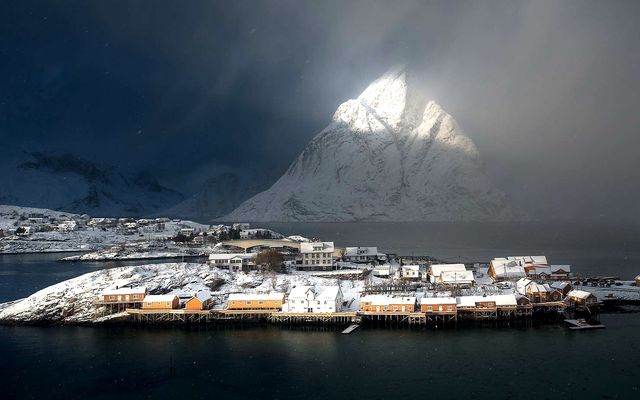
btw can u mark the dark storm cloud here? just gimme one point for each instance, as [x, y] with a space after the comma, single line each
[547, 90]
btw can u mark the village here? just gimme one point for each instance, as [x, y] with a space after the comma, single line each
[391, 288]
[395, 291]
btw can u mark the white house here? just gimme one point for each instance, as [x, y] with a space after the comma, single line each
[362, 254]
[236, 262]
[435, 270]
[317, 255]
[315, 299]
[410, 272]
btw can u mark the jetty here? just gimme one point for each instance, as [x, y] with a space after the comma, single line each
[350, 329]
[581, 324]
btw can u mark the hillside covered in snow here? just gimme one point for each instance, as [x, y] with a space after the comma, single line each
[72, 301]
[389, 155]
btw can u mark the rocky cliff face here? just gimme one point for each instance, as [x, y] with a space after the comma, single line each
[389, 155]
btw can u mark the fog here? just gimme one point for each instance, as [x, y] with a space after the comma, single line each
[547, 90]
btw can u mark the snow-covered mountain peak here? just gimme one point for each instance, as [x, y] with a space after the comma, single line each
[391, 154]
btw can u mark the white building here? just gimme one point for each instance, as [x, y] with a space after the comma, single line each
[410, 272]
[236, 262]
[435, 270]
[315, 299]
[456, 278]
[382, 271]
[506, 269]
[362, 254]
[317, 255]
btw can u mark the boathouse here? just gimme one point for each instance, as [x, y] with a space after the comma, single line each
[200, 301]
[255, 301]
[378, 303]
[438, 305]
[161, 302]
[563, 286]
[581, 298]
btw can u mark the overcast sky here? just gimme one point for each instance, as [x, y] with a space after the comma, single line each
[548, 91]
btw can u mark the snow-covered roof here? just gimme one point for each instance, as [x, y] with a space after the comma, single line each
[159, 298]
[203, 296]
[558, 268]
[560, 285]
[385, 300]
[539, 260]
[124, 290]
[316, 247]
[501, 300]
[456, 277]
[229, 256]
[411, 267]
[256, 296]
[437, 269]
[579, 294]
[360, 251]
[505, 268]
[437, 300]
[297, 238]
[319, 292]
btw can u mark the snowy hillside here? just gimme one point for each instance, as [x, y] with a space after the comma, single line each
[68, 183]
[71, 301]
[389, 155]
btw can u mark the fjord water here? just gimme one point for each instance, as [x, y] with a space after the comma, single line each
[267, 362]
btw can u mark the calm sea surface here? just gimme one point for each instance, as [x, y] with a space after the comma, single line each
[266, 362]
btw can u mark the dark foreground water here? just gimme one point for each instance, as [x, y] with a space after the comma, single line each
[280, 363]
[540, 361]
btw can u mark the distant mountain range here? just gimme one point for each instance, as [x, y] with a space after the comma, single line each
[389, 155]
[68, 183]
[218, 196]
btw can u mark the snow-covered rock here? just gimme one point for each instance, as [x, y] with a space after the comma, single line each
[389, 155]
[72, 301]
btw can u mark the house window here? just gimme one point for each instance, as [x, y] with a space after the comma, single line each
[248, 302]
[395, 308]
[112, 297]
[260, 302]
[449, 308]
[149, 304]
[429, 308]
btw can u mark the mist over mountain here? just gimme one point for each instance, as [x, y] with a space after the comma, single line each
[392, 154]
[67, 182]
[218, 196]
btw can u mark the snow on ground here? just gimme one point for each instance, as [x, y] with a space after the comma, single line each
[72, 301]
[85, 238]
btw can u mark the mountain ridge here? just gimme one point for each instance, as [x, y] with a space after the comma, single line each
[391, 154]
